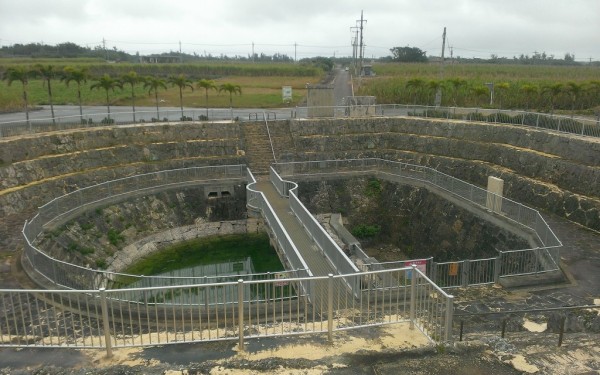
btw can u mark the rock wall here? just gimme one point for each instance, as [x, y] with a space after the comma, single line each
[99, 236]
[551, 171]
[416, 222]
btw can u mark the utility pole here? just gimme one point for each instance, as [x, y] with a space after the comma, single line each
[252, 51]
[354, 31]
[180, 55]
[104, 46]
[295, 52]
[361, 51]
[438, 94]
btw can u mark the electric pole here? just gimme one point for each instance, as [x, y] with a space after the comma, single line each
[354, 31]
[361, 51]
[438, 94]
[104, 46]
[180, 55]
[252, 51]
[295, 52]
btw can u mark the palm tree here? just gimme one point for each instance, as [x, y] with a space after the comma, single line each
[552, 91]
[435, 86]
[575, 90]
[231, 89]
[21, 74]
[182, 82]
[153, 84]
[107, 83]
[206, 84]
[47, 73]
[415, 85]
[79, 76]
[457, 84]
[501, 89]
[480, 92]
[131, 79]
[528, 90]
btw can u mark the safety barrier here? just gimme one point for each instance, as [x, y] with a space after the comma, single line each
[109, 319]
[459, 273]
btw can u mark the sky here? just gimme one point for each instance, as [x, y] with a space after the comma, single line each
[475, 28]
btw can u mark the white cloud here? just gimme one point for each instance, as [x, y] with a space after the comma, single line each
[475, 27]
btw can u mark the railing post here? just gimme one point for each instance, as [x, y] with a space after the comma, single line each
[497, 264]
[330, 307]
[449, 316]
[465, 273]
[241, 314]
[206, 294]
[413, 295]
[537, 120]
[105, 323]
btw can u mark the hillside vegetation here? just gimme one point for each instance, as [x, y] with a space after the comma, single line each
[535, 87]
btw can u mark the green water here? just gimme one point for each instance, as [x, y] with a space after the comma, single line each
[210, 250]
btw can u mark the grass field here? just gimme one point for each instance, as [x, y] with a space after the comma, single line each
[517, 86]
[261, 85]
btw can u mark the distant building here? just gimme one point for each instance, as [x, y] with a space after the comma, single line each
[367, 71]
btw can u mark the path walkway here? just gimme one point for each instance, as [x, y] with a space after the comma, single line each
[308, 249]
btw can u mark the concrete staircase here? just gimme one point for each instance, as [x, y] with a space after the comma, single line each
[258, 148]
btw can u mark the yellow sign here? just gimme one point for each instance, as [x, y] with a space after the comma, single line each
[453, 269]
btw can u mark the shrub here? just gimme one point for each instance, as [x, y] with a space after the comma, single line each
[366, 231]
[114, 237]
[373, 188]
[101, 263]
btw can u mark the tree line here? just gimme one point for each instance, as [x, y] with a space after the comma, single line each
[461, 93]
[80, 75]
[415, 54]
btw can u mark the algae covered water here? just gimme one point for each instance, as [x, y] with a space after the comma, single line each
[209, 251]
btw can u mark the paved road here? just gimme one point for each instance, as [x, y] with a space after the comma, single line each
[122, 114]
[342, 86]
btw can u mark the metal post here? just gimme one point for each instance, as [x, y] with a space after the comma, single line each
[464, 273]
[105, 323]
[558, 127]
[497, 264]
[537, 120]
[562, 330]
[413, 295]
[241, 314]
[330, 308]
[449, 316]
[462, 325]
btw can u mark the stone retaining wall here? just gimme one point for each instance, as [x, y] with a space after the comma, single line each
[137, 250]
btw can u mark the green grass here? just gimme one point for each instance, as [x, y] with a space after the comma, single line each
[261, 83]
[211, 250]
[391, 85]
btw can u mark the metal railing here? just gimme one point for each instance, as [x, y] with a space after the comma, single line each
[60, 209]
[583, 126]
[256, 200]
[338, 260]
[544, 258]
[109, 319]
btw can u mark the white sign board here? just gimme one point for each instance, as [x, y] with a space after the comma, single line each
[286, 93]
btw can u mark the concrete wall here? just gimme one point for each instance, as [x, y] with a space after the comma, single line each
[550, 171]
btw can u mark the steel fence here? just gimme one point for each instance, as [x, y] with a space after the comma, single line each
[64, 274]
[108, 319]
[258, 201]
[508, 263]
[317, 233]
[543, 121]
